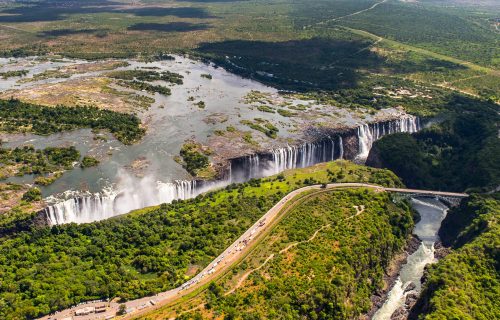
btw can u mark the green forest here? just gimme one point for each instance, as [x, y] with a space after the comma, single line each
[147, 75]
[328, 276]
[17, 116]
[469, 40]
[27, 160]
[193, 158]
[144, 86]
[439, 60]
[45, 269]
[457, 153]
[465, 284]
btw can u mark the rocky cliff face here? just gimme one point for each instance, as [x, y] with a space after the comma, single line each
[374, 158]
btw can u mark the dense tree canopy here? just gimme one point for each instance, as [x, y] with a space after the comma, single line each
[328, 259]
[16, 116]
[44, 269]
[458, 153]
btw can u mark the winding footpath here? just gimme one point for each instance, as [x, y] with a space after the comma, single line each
[230, 257]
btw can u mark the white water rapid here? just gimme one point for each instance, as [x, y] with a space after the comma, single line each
[432, 213]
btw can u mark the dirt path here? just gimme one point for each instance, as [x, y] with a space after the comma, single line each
[346, 16]
[16, 29]
[359, 210]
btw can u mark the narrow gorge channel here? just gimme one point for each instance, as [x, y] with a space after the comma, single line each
[407, 287]
[130, 194]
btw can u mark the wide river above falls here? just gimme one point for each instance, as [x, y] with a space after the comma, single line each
[147, 173]
[170, 121]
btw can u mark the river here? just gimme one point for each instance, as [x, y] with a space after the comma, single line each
[432, 213]
[147, 173]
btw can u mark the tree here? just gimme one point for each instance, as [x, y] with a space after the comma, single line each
[33, 194]
[121, 309]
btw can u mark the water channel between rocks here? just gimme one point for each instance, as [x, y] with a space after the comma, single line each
[432, 213]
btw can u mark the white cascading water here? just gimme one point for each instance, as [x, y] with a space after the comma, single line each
[432, 213]
[305, 155]
[368, 134]
[131, 193]
[365, 140]
[253, 166]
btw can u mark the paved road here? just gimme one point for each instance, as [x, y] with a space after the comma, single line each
[225, 260]
[428, 192]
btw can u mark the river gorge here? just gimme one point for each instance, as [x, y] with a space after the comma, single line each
[407, 287]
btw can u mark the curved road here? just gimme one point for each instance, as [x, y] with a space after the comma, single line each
[225, 260]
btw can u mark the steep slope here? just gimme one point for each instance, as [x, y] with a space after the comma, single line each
[458, 153]
[466, 283]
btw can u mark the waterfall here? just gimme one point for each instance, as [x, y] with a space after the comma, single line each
[94, 207]
[369, 133]
[341, 147]
[132, 193]
[324, 150]
[365, 141]
[305, 155]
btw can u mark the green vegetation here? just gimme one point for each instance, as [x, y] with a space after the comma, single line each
[324, 260]
[263, 126]
[17, 116]
[299, 107]
[144, 86]
[459, 153]
[159, 56]
[286, 113]
[207, 76]
[27, 160]
[297, 65]
[11, 74]
[465, 284]
[48, 180]
[88, 162]
[194, 159]
[298, 45]
[144, 252]
[200, 104]
[265, 108]
[147, 75]
[33, 194]
[16, 214]
[468, 41]
[48, 74]
[378, 93]
[414, 54]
